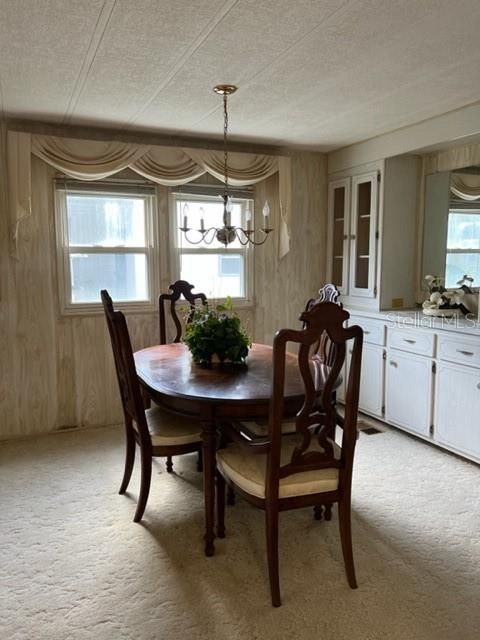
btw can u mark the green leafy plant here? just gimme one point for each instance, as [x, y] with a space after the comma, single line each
[216, 331]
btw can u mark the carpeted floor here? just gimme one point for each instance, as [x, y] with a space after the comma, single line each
[74, 565]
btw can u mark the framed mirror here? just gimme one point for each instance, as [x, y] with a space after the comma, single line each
[451, 238]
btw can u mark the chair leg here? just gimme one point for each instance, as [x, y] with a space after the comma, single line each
[271, 522]
[318, 511]
[169, 464]
[328, 512]
[230, 496]
[346, 538]
[144, 484]
[200, 461]
[220, 505]
[129, 460]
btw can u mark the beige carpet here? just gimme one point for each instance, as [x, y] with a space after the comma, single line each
[73, 564]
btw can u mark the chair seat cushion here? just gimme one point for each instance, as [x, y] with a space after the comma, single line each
[247, 470]
[167, 429]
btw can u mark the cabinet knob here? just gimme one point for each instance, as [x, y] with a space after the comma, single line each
[353, 236]
[393, 364]
[345, 236]
[409, 341]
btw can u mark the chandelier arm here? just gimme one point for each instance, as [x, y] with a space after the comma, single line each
[243, 240]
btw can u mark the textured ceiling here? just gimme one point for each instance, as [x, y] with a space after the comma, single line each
[316, 73]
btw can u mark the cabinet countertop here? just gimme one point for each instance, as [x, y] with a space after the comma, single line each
[415, 319]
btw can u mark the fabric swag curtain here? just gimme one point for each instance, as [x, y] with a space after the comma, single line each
[169, 166]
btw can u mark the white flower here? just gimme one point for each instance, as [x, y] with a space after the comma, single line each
[455, 296]
[436, 298]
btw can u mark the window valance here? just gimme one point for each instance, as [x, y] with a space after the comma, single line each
[465, 186]
[170, 166]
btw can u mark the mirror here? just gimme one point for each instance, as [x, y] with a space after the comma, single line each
[451, 239]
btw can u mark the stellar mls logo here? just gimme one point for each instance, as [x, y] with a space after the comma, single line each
[420, 320]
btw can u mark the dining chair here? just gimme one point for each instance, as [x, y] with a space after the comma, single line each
[157, 433]
[322, 351]
[309, 468]
[178, 289]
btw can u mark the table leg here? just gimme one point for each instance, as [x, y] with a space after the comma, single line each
[209, 449]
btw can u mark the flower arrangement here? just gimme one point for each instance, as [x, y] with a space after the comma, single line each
[443, 301]
[216, 332]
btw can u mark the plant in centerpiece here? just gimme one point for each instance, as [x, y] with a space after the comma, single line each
[446, 302]
[216, 332]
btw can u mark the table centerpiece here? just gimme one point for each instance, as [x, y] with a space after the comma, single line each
[215, 335]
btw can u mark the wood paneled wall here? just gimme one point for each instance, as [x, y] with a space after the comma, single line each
[282, 287]
[57, 371]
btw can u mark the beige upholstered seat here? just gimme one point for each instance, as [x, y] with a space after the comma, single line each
[247, 471]
[168, 429]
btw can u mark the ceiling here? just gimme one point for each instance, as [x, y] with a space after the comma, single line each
[311, 73]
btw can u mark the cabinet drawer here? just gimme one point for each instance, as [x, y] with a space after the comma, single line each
[413, 341]
[461, 350]
[373, 330]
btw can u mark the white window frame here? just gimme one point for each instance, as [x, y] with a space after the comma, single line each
[472, 210]
[151, 249]
[186, 248]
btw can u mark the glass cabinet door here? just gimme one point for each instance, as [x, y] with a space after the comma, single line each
[339, 207]
[363, 235]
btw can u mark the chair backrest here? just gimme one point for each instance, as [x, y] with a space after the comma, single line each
[129, 386]
[324, 348]
[316, 421]
[178, 289]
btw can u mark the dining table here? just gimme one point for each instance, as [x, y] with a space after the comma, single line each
[215, 394]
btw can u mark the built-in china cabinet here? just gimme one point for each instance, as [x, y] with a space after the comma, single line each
[419, 374]
[371, 233]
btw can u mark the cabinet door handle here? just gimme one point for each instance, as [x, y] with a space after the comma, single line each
[465, 353]
[393, 364]
[366, 332]
[345, 237]
[409, 341]
[478, 385]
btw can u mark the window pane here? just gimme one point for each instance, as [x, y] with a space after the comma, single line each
[463, 230]
[107, 221]
[216, 275]
[124, 275]
[212, 215]
[459, 264]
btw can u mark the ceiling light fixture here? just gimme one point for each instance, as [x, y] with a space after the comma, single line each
[228, 233]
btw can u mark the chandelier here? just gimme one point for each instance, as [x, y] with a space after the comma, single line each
[227, 233]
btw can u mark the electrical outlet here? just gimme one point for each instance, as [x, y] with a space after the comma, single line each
[397, 303]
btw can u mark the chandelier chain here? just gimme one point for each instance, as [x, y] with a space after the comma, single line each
[225, 151]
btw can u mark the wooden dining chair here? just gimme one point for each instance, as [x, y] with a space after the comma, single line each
[156, 432]
[179, 289]
[309, 468]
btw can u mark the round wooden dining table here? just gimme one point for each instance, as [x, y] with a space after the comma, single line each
[212, 395]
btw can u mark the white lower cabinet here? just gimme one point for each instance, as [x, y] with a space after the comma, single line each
[428, 384]
[457, 408]
[371, 381]
[408, 391]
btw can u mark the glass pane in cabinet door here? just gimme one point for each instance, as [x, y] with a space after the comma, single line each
[364, 196]
[338, 235]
